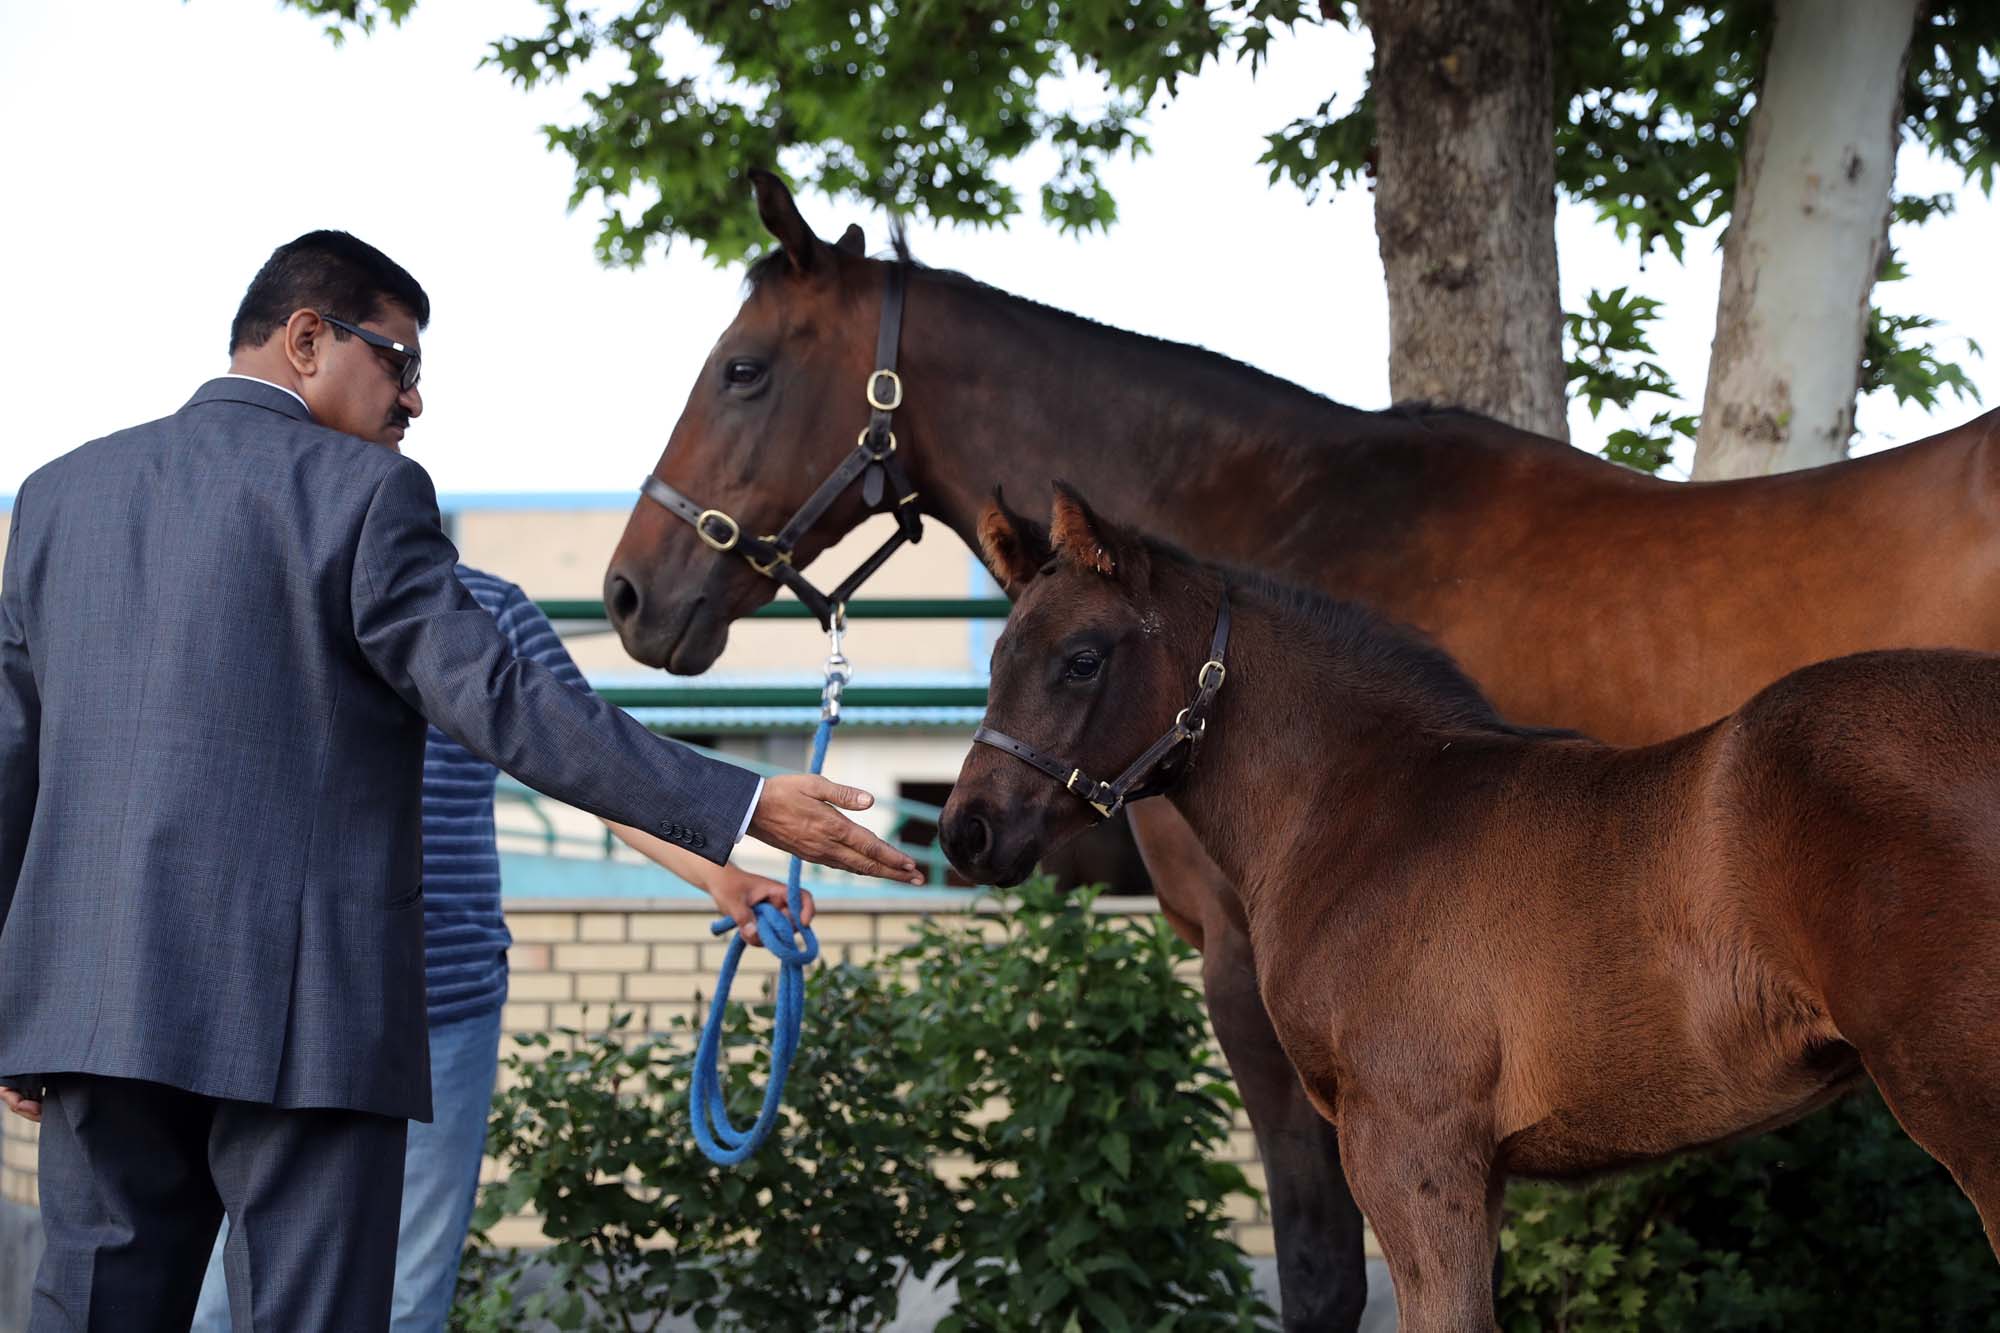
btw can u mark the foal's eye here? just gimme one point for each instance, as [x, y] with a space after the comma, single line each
[1084, 665]
[743, 372]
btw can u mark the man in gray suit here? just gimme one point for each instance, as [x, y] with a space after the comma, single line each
[220, 637]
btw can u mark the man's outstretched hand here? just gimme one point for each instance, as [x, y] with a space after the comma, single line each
[797, 813]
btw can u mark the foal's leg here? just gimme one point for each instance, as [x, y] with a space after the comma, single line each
[1322, 1269]
[1427, 1182]
[1940, 1075]
[1322, 1273]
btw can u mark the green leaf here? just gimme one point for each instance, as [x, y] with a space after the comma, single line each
[1118, 1152]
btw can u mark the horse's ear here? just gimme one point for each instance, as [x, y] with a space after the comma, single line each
[782, 219]
[1084, 539]
[850, 241]
[1014, 547]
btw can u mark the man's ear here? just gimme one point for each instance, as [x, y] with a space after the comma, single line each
[1014, 547]
[304, 337]
[1085, 540]
[782, 219]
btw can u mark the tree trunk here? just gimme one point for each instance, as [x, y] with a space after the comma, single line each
[1465, 205]
[1805, 239]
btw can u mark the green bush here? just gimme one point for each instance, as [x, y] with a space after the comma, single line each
[1095, 1199]
[1839, 1222]
[818, 1229]
[815, 1232]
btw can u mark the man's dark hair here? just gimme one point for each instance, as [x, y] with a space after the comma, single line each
[328, 271]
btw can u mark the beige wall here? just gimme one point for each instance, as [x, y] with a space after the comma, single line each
[564, 554]
[576, 963]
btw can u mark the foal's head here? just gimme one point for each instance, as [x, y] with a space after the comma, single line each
[1090, 669]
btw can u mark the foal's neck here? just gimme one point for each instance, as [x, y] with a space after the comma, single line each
[1329, 717]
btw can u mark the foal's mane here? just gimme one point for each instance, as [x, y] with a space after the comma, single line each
[1381, 656]
[1419, 412]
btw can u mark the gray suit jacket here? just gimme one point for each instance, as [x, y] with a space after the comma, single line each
[220, 635]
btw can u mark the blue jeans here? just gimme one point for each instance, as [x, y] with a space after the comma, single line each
[440, 1180]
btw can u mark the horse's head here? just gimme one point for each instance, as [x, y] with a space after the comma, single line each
[776, 407]
[1085, 674]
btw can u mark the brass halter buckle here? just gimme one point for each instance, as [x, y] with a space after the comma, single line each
[861, 442]
[1069, 785]
[1201, 676]
[778, 556]
[701, 530]
[895, 391]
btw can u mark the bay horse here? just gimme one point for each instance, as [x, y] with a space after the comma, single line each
[1496, 950]
[1578, 592]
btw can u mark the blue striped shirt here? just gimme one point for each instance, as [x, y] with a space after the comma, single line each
[465, 935]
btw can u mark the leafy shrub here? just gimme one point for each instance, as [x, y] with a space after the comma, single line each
[813, 1233]
[1839, 1222]
[1095, 1198]
[1094, 1201]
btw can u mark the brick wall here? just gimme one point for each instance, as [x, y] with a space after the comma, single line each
[576, 963]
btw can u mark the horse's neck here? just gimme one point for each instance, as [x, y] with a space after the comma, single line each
[1304, 742]
[1228, 461]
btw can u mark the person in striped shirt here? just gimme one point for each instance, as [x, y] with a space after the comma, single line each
[465, 971]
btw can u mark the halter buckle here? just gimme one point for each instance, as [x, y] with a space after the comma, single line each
[896, 391]
[861, 442]
[1201, 676]
[1069, 785]
[779, 556]
[1198, 730]
[701, 530]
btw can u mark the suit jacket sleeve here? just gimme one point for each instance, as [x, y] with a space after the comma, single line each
[426, 636]
[20, 722]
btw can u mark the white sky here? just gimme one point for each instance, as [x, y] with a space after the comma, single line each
[156, 151]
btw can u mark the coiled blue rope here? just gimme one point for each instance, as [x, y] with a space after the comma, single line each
[720, 1141]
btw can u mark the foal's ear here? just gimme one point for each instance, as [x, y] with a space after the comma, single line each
[1084, 539]
[782, 219]
[1014, 547]
[850, 241]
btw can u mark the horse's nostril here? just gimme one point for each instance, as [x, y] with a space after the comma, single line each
[978, 837]
[621, 598]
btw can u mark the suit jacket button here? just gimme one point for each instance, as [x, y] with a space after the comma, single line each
[697, 840]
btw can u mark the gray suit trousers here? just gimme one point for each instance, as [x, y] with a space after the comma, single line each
[135, 1178]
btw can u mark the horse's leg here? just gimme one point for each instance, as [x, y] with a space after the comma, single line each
[1322, 1272]
[1429, 1187]
[1939, 1072]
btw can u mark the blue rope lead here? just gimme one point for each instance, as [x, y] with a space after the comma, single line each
[719, 1141]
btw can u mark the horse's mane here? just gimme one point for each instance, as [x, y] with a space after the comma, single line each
[774, 263]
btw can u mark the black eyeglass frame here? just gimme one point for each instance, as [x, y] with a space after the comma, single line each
[413, 360]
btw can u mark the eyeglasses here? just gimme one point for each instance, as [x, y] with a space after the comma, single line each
[413, 361]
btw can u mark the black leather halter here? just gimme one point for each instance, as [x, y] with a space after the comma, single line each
[874, 461]
[1154, 771]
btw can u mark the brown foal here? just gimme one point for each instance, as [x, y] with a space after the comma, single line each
[1494, 950]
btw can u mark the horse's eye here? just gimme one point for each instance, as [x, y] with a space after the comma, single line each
[743, 372]
[1084, 665]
